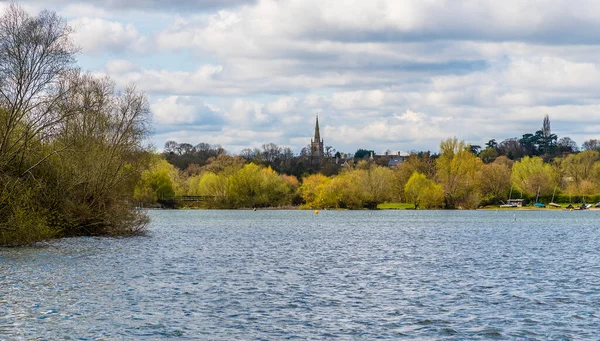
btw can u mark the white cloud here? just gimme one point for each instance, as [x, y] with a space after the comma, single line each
[96, 35]
[381, 74]
[180, 110]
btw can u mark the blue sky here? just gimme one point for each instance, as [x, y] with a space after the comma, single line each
[395, 75]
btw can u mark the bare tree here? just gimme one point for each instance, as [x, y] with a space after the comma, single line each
[591, 144]
[35, 56]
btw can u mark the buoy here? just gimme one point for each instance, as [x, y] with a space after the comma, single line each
[316, 211]
[571, 210]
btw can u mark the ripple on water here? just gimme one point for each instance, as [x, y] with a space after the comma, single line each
[226, 275]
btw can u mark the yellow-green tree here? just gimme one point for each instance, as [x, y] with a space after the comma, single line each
[313, 190]
[156, 183]
[421, 163]
[423, 192]
[531, 175]
[596, 174]
[494, 180]
[457, 173]
[578, 167]
[351, 188]
[256, 186]
[216, 188]
[379, 184]
[292, 183]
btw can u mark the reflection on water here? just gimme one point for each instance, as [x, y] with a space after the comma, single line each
[293, 274]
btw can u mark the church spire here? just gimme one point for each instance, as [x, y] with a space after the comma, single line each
[316, 145]
[317, 134]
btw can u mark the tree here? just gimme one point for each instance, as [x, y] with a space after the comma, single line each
[529, 143]
[474, 149]
[71, 145]
[330, 151]
[363, 153]
[456, 172]
[591, 144]
[512, 148]
[271, 153]
[36, 56]
[416, 162]
[531, 175]
[488, 155]
[579, 167]
[313, 190]
[494, 180]
[491, 144]
[566, 145]
[256, 186]
[156, 183]
[170, 147]
[423, 192]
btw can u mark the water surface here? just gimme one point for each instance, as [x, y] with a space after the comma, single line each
[224, 275]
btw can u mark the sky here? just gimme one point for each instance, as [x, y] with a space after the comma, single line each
[397, 75]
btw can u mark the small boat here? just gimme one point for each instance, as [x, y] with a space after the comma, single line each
[538, 204]
[552, 203]
[584, 206]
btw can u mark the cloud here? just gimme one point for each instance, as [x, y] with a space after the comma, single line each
[152, 5]
[386, 74]
[186, 111]
[95, 35]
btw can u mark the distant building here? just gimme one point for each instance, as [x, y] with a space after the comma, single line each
[396, 160]
[316, 144]
[388, 159]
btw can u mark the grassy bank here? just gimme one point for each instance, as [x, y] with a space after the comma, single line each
[396, 206]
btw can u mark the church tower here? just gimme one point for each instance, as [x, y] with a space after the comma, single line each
[316, 145]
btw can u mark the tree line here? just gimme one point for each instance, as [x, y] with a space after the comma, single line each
[456, 177]
[542, 143]
[71, 144]
[188, 158]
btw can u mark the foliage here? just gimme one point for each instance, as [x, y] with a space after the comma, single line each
[363, 153]
[456, 171]
[488, 155]
[313, 190]
[531, 176]
[71, 145]
[493, 180]
[423, 192]
[157, 183]
[421, 163]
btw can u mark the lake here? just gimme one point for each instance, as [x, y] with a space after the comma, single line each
[271, 275]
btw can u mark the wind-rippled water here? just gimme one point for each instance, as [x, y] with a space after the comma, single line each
[269, 275]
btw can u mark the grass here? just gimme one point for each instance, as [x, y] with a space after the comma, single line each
[395, 206]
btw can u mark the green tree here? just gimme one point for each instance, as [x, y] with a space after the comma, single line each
[363, 153]
[488, 155]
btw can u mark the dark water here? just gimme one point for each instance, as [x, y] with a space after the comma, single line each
[224, 275]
